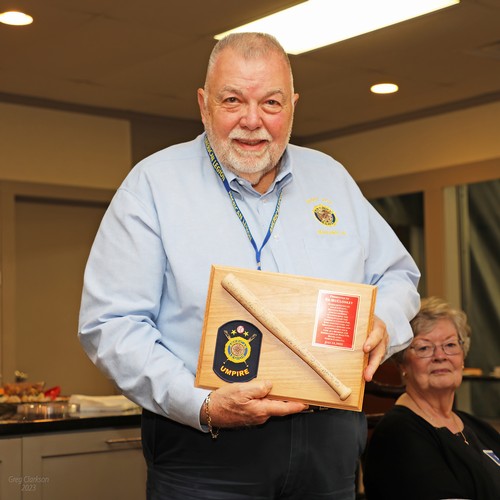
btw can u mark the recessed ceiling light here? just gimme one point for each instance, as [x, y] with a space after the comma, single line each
[317, 23]
[15, 18]
[384, 88]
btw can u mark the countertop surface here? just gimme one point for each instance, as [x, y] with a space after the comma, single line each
[15, 425]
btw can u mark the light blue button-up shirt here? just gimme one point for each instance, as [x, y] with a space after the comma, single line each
[147, 276]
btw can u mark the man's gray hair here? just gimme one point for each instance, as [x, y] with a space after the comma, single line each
[249, 45]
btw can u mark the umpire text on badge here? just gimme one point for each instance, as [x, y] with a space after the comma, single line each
[237, 351]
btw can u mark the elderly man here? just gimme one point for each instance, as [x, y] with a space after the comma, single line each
[238, 195]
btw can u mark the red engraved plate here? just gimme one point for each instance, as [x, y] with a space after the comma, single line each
[336, 316]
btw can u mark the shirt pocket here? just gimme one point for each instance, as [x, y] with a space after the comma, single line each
[336, 257]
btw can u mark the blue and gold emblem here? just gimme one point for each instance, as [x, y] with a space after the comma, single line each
[237, 351]
[325, 215]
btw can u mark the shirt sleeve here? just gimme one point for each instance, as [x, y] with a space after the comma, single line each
[389, 266]
[123, 284]
[397, 298]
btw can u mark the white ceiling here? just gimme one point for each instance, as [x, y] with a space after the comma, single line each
[149, 57]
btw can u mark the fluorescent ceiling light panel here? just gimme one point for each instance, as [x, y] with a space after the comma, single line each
[317, 23]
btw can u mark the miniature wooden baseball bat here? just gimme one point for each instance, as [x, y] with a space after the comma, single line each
[259, 311]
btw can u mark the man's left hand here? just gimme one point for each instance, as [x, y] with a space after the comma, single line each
[376, 345]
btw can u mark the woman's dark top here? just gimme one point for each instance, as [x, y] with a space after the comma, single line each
[407, 458]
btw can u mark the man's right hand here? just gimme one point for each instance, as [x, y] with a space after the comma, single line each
[246, 404]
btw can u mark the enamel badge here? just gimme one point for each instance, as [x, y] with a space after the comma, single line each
[237, 351]
[325, 215]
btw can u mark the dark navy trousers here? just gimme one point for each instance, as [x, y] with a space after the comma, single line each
[305, 456]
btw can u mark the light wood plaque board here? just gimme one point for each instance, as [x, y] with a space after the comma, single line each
[334, 337]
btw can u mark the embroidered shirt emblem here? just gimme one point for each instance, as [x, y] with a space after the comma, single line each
[325, 215]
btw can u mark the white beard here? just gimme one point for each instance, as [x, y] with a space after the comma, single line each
[243, 162]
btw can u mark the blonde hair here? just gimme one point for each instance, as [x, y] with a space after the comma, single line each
[433, 309]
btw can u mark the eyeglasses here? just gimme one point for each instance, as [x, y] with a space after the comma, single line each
[425, 349]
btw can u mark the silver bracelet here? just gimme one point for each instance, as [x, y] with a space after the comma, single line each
[213, 432]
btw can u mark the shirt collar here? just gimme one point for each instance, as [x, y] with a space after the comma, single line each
[285, 175]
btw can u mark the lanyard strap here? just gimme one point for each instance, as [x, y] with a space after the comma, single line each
[241, 217]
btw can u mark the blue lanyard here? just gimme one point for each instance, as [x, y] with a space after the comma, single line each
[241, 217]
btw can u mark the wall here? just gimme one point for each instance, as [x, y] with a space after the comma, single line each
[59, 169]
[62, 147]
[150, 134]
[455, 138]
[78, 149]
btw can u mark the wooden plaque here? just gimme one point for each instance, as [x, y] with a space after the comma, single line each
[329, 320]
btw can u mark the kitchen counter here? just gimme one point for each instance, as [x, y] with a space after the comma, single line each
[16, 426]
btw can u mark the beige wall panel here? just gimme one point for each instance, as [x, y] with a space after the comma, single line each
[65, 148]
[455, 138]
[53, 239]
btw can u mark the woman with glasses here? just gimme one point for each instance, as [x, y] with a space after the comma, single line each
[423, 449]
